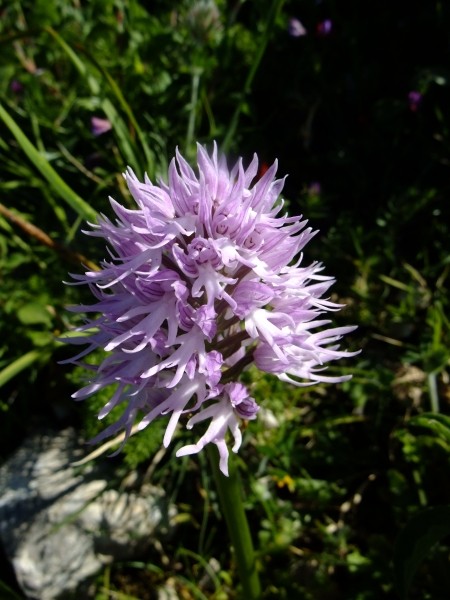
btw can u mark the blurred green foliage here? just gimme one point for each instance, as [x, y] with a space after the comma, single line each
[335, 477]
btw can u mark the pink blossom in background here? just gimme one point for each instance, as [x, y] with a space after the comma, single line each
[295, 28]
[414, 100]
[314, 188]
[16, 87]
[325, 27]
[100, 126]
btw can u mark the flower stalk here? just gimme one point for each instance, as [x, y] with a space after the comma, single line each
[229, 490]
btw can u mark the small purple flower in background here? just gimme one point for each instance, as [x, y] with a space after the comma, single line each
[325, 27]
[314, 188]
[295, 28]
[100, 126]
[201, 283]
[414, 100]
[16, 87]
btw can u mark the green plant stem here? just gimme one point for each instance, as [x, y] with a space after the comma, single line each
[230, 497]
[433, 391]
[22, 363]
[192, 108]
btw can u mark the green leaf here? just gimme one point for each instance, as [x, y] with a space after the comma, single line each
[59, 185]
[438, 423]
[416, 540]
[34, 313]
[40, 339]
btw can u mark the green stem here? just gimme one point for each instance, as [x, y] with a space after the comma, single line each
[230, 497]
[193, 108]
[433, 391]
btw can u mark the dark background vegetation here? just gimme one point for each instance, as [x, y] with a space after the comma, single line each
[349, 469]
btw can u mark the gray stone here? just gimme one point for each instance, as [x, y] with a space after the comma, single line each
[60, 524]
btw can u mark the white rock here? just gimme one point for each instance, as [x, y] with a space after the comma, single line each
[59, 525]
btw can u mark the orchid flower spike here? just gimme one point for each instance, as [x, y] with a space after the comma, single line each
[204, 278]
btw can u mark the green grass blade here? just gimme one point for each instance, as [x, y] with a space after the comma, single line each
[7, 593]
[122, 133]
[149, 157]
[20, 365]
[120, 127]
[118, 124]
[79, 64]
[81, 207]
